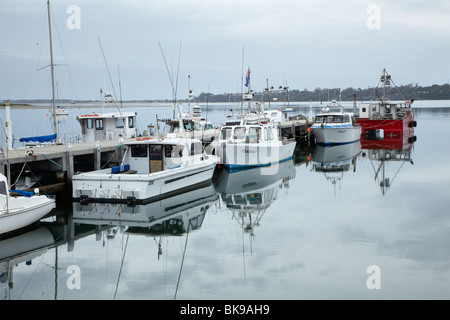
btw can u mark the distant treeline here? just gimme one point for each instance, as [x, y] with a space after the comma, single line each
[410, 91]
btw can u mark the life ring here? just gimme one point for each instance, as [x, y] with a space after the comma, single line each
[30, 153]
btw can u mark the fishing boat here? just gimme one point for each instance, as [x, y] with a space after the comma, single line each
[60, 111]
[252, 144]
[394, 118]
[152, 168]
[98, 126]
[193, 128]
[19, 209]
[335, 127]
[251, 139]
[290, 124]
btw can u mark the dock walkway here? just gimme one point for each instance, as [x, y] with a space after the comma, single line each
[60, 159]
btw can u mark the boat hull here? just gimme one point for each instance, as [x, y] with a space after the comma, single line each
[24, 212]
[99, 186]
[336, 135]
[390, 127]
[240, 156]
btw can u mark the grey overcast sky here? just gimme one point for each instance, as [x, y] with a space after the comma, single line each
[301, 43]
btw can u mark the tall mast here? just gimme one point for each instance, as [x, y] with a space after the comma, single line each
[52, 66]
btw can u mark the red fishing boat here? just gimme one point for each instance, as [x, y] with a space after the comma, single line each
[384, 116]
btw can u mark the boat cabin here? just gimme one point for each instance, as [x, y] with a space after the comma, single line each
[190, 124]
[333, 119]
[148, 155]
[107, 126]
[385, 110]
[277, 115]
[248, 133]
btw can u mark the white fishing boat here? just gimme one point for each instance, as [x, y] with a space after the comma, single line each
[19, 209]
[152, 169]
[248, 145]
[193, 128]
[98, 126]
[335, 127]
[60, 111]
[251, 140]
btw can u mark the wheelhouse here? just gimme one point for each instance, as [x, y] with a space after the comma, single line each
[332, 119]
[247, 133]
[108, 126]
[157, 156]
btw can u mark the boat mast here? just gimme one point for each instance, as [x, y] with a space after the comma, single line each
[189, 94]
[52, 67]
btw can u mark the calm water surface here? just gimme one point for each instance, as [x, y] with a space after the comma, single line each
[292, 231]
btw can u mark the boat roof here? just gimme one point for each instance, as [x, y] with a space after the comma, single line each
[387, 102]
[165, 140]
[335, 113]
[110, 115]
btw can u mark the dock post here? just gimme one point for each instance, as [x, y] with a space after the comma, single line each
[8, 126]
[97, 155]
[69, 165]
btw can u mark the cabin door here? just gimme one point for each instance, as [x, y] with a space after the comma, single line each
[156, 158]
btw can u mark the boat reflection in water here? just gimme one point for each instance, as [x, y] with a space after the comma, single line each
[381, 152]
[21, 248]
[247, 194]
[173, 216]
[334, 161]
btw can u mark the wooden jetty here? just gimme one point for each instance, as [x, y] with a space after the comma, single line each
[61, 161]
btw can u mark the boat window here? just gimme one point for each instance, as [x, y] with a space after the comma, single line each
[197, 127]
[89, 123]
[168, 150]
[196, 148]
[320, 119]
[274, 114]
[139, 151]
[254, 198]
[270, 134]
[239, 133]
[155, 151]
[225, 133]
[131, 122]
[188, 126]
[333, 119]
[177, 151]
[209, 126]
[266, 137]
[3, 187]
[346, 118]
[99, 124]
[119, 122]
[253, 135]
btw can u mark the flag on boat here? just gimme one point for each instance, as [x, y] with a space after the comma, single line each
[247, 78]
